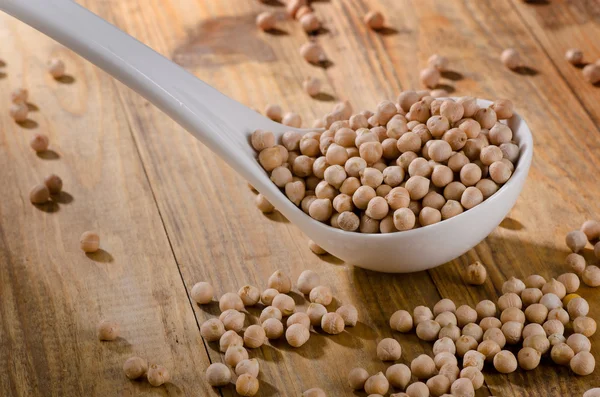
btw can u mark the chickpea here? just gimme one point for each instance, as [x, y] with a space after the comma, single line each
[107, 330]
[429, 77]
[551, 301]
[389, 349]
[349, 314]
[321, 294]
[583, 363]
[476, 274]
[490, 322]
[401, 321]
[576, 240]
[285, 304]
[454, 191]
[473, 330]
[374, 20]
[559, 314]
[246, 385]
[423, 367]
[307, 280]
[357, 378]
[438, 385]
[512, 331]
[538, 342]
[509, 299]
[462, 387]
[297, 335]
[464, 344]
[444, 305]
[229, 338]
[157, 375]
[377, 384]
[505, 362]
[451, 331]
[555, 287]
[312, 53]
[536, 313]
[218, 375]
[579, 343]
[553, 327]
[332, 323]
[578, 307]
[232, 320]
[280, 282]
[555, 339]
[529, 358]
[422, 313]
[417, 187]
[315, 312]
[485, 308]
[270, 312]
[428, 330]
[530, 296]
[465, 314]
[591, 73]
[489, 349]
[561, 354]
[591, 229]
[591, 275]
[584, 325]
[39, 143]
[89, 242]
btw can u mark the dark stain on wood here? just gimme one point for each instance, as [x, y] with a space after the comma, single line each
[235, 40]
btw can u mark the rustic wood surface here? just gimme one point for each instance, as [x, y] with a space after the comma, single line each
[170, 213]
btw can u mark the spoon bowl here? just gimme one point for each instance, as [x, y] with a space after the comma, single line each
[225, 126]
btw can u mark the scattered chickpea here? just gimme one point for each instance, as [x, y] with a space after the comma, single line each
[312, 52]
[232, 320]
[398, 375]
[473, 358]
[349, 314]
[39, 143]
[576, 240]
[422, 313]
[231, 300]
[579, 343]
[389, 349]
[561, 354]
[315, 312]
[248, 366]
[591, 228]
[439, 62]
[505, 362]
[401, 321]
[157, 375]
[583, 363]
[275, 113]
[212, 330]
[423, 367]
[559, 314]
[489, 349]
[428, 330]
[39, 194]
[490, 322]
[530, 296]
[332, 323]
[234, 354]
[357, 378]
[591, 73]
[246, 385]
[511, 58]
[430, 77]
[266, 21]
[218, 375]
[591, 275]
[254, 336]
[56, 68]
[574, 56]
[229, 338]
[377, 384]
[135, 367]
[311, 85]
[18, 111]
[285, 304]
[280, 282]
[310, 23]
[474, 375]
[464, 344]
[89, 242]
[538, 342]
[417, 389]
[268, 295]
[438, 385]
[444, 319]
[374, 20]
[512, 331]
[528, 358]
[19, 95]
[476, 274]
[585, 326]
[578, 307]
[595, 392]
[107, 330]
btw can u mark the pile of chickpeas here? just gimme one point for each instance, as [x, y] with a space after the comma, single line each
[411, 163]
[537, 318]
[269, 325]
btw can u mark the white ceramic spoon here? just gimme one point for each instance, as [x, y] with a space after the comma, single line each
[224, 125]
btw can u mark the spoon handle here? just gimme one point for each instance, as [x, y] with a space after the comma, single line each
[192, 103]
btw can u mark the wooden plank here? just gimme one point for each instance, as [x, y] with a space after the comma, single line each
[216, 232]
[232, 235]
[51, 295]
[560, 25]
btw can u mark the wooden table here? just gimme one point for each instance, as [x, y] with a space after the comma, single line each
[170, 213]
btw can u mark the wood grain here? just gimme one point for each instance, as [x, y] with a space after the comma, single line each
[51, 294]
[182, 213]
